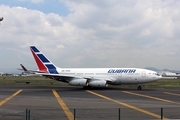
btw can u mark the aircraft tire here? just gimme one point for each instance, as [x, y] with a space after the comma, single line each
[139, 87]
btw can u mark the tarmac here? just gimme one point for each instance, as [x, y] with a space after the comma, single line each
[70, 103]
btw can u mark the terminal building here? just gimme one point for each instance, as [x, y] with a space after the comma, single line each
[168, 75]
[1, 73]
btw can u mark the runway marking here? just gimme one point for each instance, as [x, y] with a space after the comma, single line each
[63, 105]
[151, 97]
[128, 105]
[10, 97]
[172, 93]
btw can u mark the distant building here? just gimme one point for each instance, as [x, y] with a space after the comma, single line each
[168, 75]
[1, 73]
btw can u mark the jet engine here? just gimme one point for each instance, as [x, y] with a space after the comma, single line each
[99, 83]
[78, 82]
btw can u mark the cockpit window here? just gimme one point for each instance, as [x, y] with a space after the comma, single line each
[156, 74]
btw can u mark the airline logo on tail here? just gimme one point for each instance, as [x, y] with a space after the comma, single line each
[42, 61]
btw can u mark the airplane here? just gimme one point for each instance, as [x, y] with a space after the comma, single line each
[1, 19]
[93, 77]
[24, 69]
[29, 71]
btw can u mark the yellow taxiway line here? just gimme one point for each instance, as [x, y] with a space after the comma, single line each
[63, 105]
[151, 97]
[10, 97]
[172, 93]
[127, 105]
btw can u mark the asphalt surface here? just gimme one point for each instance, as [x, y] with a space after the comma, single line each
[62, 103]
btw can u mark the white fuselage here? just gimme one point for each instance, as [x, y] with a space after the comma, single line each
[115, 76]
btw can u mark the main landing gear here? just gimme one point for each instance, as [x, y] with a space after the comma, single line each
[139, 87]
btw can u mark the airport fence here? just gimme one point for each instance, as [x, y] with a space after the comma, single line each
[171, 113]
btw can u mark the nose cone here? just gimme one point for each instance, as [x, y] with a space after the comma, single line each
[156, 76]
[159, 77]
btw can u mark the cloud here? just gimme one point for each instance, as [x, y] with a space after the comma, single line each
[37, 1]
[33, 1]
[95, 34]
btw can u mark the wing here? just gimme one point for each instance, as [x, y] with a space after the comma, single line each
[80, 80]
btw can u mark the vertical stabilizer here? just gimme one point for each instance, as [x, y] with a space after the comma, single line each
[43, 63]
[23, 68]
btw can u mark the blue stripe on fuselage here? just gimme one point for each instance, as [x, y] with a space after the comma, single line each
[51, 69]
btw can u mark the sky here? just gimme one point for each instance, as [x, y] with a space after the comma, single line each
[91, 33]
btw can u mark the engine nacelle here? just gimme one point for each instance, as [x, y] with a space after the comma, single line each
[98, 83]
[78, 82]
